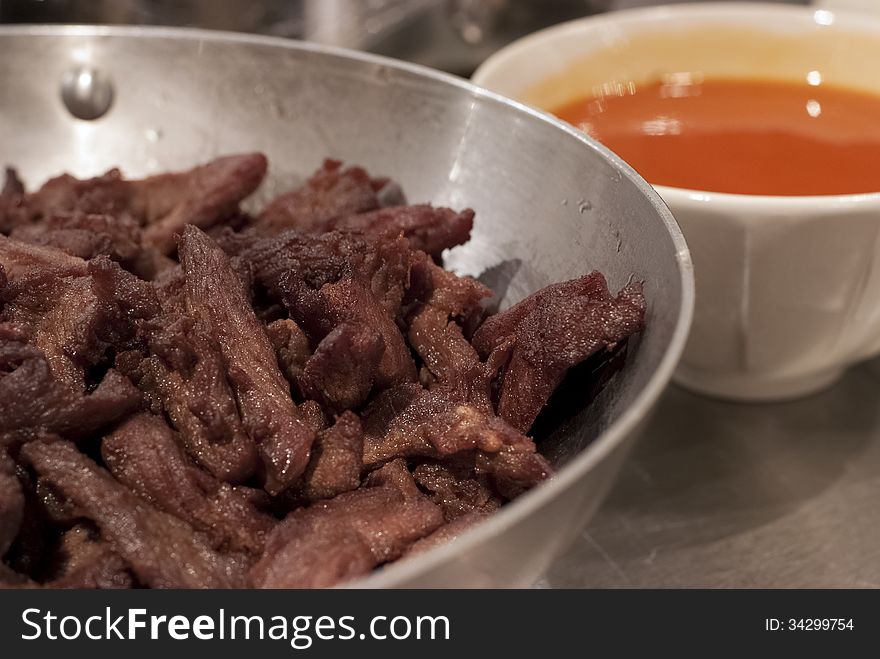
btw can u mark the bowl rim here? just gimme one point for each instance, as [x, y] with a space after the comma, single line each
[399, 572]
[823, 17]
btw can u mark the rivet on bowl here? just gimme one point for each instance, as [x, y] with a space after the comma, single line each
[87, 93]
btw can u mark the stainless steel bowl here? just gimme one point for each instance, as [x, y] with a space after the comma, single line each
[551, 204]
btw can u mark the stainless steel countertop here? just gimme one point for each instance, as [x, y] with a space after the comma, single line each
[730, 495]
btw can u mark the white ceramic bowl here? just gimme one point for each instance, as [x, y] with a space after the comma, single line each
[788, 288]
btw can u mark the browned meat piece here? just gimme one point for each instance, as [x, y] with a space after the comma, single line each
[436, 424]
[434, 329]
[449, 531]
[447, 355]
[107, 194]
[32, 400]
[11, 503]
[163, 204]
[336, 461]
[313, 415]
[325, 259]
[291, 347]
[320, 311]
[85, 235]
[72, 310]
[22, 261]
[347, 536]
[144, 455]
[130, 295]
[84, 317]
[427, 228]
[162, 550]
[88, 235]
[331, 192]
[554, 329]
[67, 333]
[186, 378]
[514, 469]
[114, 398]
[216, 297]
[394, 474]
[202, 196]
[381, 442]
[455, 490]
[65, 316]
[337, 198]
[408, 421]
[460, 297]
[341, 373]
[57, 510]
[170, 285]
[86, 561]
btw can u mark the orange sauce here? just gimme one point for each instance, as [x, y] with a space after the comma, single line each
[740, 136]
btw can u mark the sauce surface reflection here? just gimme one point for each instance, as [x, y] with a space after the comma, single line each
[739, 136]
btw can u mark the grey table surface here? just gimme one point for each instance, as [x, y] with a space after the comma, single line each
[720, 494]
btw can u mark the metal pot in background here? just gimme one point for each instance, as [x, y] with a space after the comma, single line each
[457, 35]
[240, 15]
[453, 35]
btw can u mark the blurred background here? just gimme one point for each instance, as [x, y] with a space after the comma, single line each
[453, 35]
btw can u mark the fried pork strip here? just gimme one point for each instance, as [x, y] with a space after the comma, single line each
[348, 535]
[162, 550]
[161, 204]
[551, 331]
[215, 296]
[144, 455]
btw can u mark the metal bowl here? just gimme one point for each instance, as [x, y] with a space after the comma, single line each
[551, 205]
